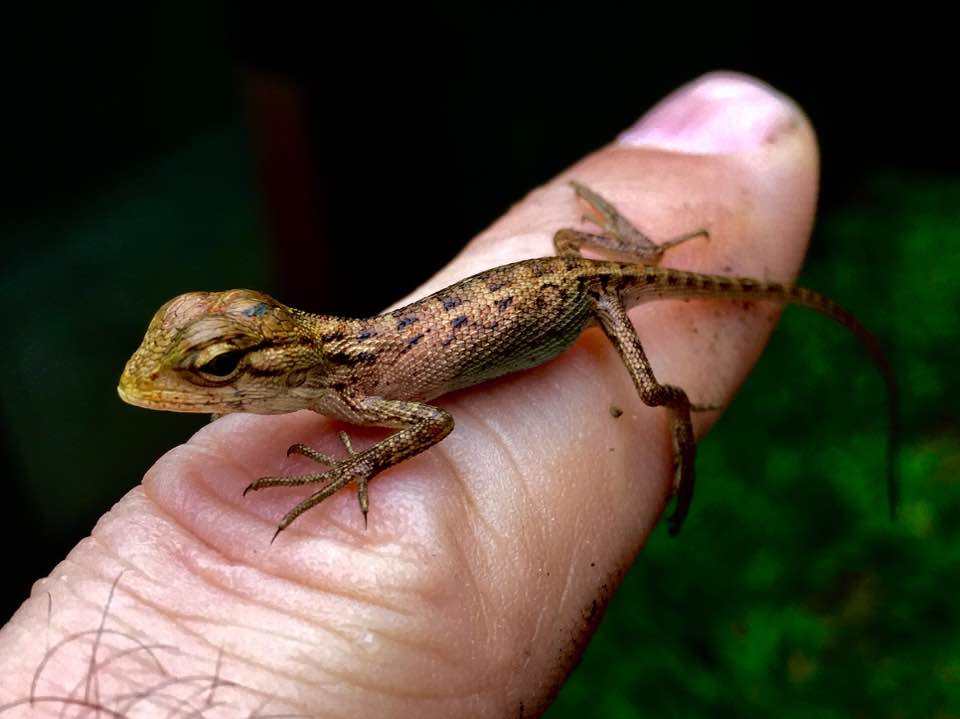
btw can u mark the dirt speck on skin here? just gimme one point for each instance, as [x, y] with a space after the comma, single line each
[782, 130]
[615, 411]
[570, 649]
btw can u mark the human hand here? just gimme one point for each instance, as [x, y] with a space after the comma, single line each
[487, 559]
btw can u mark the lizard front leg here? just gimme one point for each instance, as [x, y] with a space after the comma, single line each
[421, 426]
[612, 316]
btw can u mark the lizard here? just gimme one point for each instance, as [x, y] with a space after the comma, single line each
[243, 351]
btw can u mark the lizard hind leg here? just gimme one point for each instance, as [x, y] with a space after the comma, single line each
[619, 239]
[613, 319]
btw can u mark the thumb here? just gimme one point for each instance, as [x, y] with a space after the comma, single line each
[479, 577]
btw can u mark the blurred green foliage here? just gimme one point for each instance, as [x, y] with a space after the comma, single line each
[789, 592]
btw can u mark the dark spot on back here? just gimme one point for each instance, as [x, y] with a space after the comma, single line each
[497, 285]
[672, 280]
[450, 303]
[459, 322]
[503, 303]
[691, 281]
[406, 321]
[411, 343]
[366, 334]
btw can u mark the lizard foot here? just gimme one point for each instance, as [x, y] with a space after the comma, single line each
[341, 473]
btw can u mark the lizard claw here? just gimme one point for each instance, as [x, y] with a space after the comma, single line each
[310, 453]
[705, 407]
[258, 484]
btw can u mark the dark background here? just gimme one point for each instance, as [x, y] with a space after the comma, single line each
[338, 160]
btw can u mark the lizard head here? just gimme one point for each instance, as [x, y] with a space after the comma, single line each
[218, 352]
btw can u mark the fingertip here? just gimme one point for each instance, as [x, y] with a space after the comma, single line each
[718, 113]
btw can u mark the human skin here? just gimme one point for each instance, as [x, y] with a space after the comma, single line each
[486, 560]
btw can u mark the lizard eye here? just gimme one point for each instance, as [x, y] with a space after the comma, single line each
[223, 365]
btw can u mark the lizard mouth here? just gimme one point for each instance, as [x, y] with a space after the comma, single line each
[167, 400]
[138, 398]
[131, 396]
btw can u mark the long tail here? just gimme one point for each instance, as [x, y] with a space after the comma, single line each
[664, 283]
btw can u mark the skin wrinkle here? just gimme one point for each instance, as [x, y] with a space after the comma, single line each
[453, 471]
[346, 548]
[569, 579]
[135, 653]
[352, 680]
[398, 637]
[215, 447]
[254, 668]
[358, 596]
[173, 618]
[126, 702]
[250, 600]
[544, 614]
[464, 562]
[499, 440]
[370, 679]
[172, 517]
[169, 618]
[97, 577]
[177, 619]
[482, 424]
[497, 437]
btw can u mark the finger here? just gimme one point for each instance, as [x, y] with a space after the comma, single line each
[486, 558]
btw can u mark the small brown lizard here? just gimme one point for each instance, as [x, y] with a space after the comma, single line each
[243, 351]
